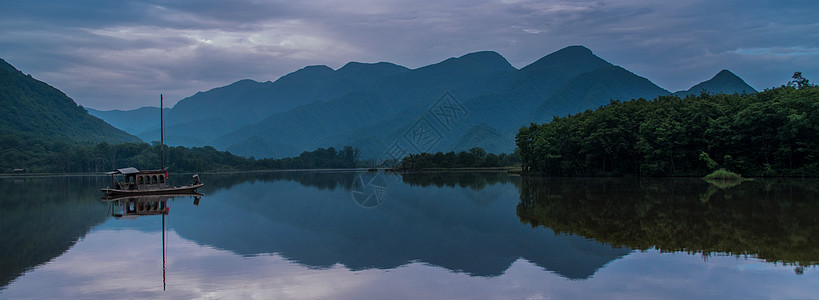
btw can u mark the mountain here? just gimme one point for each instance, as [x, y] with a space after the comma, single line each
[299, 129]
[534, 84]
[593, 89]
[552, 71]
[200, 119]
[568, 81]
[484, 136]
[32, 108]
[402, 96]
[724, 82]
[131, 121]
[253, 101]
[478, 99]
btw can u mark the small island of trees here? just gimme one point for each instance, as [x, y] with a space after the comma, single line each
[476, 157]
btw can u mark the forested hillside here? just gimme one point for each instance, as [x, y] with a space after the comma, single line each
[44, 131]
[39, 124]
[30, 108]
[770, 133]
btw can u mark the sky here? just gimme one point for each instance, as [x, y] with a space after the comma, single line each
[123, 54]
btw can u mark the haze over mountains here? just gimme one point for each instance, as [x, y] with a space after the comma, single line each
[476, 100]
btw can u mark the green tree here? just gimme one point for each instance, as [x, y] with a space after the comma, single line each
[768, 133]
[799, 81]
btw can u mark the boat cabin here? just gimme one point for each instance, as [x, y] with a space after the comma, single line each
[138, 180]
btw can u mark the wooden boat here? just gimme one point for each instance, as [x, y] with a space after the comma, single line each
[148, 182]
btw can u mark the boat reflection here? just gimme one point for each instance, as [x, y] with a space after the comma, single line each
[135, 206]
[146, 205]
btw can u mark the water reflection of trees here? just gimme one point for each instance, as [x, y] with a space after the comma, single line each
[335, 179]
[775, 220]
[41, 218]
[472, 180]
[329, 180]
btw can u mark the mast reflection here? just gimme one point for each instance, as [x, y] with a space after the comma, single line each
[148, 205]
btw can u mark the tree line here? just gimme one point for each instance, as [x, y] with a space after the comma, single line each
[770, 133]
[476, 157]
[40, 155]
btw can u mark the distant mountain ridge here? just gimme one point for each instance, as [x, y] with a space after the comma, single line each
[130, 120]
[32, 108]
[382, 106]
[595, 88]
[724, 82]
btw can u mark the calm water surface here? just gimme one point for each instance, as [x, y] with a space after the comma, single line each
[353, 235]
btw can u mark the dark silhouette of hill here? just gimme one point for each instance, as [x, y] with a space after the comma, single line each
[724, 82]
[533, 84]
[200, 119]
[552, 71]
[32, 108]
[253, 101]
[593, 89]
[403, 95]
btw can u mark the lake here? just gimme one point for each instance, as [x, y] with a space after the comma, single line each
[354, 235]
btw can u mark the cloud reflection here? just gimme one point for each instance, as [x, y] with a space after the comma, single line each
[106, 264]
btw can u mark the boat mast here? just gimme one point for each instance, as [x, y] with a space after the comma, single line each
[161, 133]
[163, 248]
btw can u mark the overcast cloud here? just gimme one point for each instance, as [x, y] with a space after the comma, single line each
[123, 54]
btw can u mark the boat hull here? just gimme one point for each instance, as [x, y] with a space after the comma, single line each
[185, 189]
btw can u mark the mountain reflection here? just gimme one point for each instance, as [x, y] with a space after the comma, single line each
[332, 180]
[773, 219]
[478, 224]
[41, 218]
[472, 230]
[322, 180]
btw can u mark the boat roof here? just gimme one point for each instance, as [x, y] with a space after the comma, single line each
[132, 170]
[124, 171]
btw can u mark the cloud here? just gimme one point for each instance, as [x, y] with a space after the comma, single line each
[779, 51]
[120, 54]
